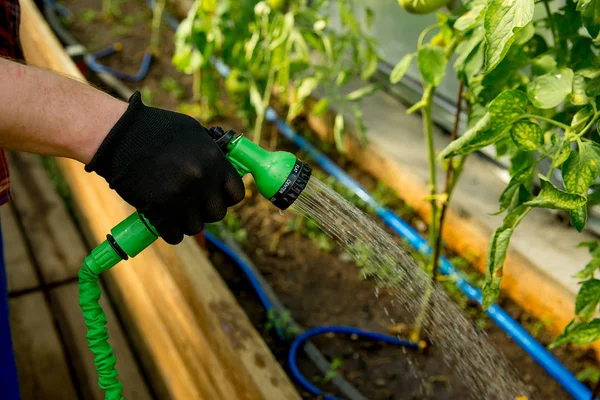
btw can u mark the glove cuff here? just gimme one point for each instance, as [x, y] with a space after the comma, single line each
[135, 134]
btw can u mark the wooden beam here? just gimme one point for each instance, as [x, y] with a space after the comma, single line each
[179, 352]
[19, 269]
[57, 243]
[41, 363]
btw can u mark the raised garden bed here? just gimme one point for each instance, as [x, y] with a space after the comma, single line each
[318, 286]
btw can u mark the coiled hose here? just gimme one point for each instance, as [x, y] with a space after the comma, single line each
[95, 320]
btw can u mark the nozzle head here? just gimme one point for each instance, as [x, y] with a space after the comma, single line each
[293, 186]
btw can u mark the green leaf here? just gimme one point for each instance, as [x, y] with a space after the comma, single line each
[362, 92]
[581, 169]
[432, 61]
[494, 265]
[497, 254]
[589, 269]
[563, 156]
[578, 96]
[549, 90]
[579, 333]
[592, 245]
[338, 132]
[371, 66]
[590, 15]
[515, 192]
[342, 78]
[466, 47]
[580, 119]
[551, 197]
[527, 135]
[401, 68]
[588, 298]
[589, 73]
[321, 107]
[470, 19]
[543, 64]
[579, 218]
[507, 107]
[589, 374]
[503, 19]
[593, 87]
[492, 127]
[524, 35]
[478, 137]
[307, 86]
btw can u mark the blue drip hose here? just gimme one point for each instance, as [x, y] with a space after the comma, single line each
[299, 341]
[92, 62]
[347, 330]
[538, 352]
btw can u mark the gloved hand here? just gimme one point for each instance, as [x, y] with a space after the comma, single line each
[166, 165]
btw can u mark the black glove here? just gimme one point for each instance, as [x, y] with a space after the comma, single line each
[166, 165]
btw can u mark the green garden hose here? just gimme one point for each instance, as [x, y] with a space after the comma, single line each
[279, 176]
[97, 336]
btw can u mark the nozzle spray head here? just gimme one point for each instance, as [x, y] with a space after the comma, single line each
[280, 176]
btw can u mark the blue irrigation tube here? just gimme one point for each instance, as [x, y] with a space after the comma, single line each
[306, 335]
[527, 342]
[91, 60]
[538, 352]
[346, 330]
[219, 244]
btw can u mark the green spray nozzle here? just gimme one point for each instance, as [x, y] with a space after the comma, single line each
[280, 177]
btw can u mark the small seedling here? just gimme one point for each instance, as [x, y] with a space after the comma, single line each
[281, 324]
[590, 375]
[335, 365]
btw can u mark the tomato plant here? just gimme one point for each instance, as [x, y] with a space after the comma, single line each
[280, 52]
[530, 80]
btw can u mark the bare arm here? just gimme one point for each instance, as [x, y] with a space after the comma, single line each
[45, 113]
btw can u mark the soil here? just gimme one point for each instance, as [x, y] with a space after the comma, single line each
[319, 287]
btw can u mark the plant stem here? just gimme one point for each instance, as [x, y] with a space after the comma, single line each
[545, 119]
[434, 232]
[587, 127]
[428, 133]
[551, 23]
[266, 100]
[448, 186]
[158, 9]
[424, 32]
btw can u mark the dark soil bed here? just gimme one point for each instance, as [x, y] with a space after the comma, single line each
[319, 287]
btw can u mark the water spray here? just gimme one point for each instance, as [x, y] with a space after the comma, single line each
[280, 177]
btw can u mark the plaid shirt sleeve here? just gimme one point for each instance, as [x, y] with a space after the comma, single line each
[11, 48]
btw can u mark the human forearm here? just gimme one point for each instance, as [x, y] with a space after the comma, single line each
[45, 113]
